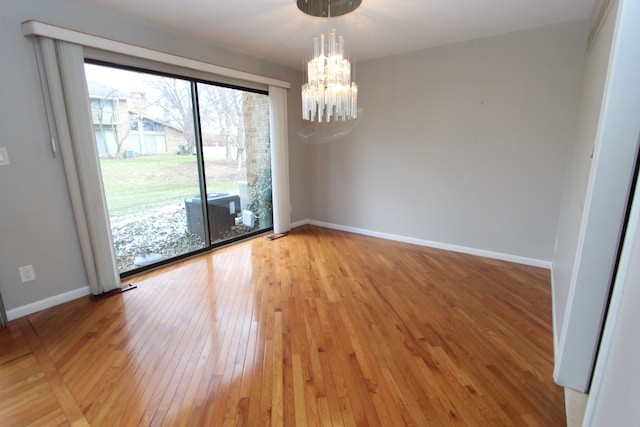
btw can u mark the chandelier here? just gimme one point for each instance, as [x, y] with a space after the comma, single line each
[329, 94]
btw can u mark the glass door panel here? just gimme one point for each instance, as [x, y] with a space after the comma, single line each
[236, 150]
[143, 125]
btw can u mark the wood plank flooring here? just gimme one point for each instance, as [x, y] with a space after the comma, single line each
[319, 328]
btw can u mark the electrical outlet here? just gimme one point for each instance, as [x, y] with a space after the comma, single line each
[4, 156]
[27, 274]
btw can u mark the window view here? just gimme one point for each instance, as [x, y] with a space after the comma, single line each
[158, 161]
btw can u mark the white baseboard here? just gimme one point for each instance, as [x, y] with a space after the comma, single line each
[431, 244]
[300, 223]
[28, 309]
[554, 315]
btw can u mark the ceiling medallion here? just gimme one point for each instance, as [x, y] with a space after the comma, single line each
[328, 8]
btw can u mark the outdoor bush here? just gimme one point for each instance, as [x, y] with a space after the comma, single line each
[261, 199]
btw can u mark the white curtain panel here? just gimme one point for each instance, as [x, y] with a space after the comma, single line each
[279, 159]
[65, 87]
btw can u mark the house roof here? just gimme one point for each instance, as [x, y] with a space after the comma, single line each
[151, 119]
[101, 90]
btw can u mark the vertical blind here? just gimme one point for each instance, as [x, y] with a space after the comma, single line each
[63, 65]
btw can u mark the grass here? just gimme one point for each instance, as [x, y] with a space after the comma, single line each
[146, 201]
[140, 184]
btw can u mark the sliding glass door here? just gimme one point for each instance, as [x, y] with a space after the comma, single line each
[185, 164]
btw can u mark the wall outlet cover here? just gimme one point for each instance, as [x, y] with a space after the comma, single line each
[4, 156]
[27, 274]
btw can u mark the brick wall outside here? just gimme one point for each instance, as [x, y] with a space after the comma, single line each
[257, 141]
[174, 138]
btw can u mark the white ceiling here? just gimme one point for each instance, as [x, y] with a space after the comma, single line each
[277, 31]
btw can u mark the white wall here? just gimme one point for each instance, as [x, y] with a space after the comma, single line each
[583, 267]
[36, 223]
[463, 145]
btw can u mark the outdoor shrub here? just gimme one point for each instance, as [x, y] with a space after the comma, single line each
[261, 198]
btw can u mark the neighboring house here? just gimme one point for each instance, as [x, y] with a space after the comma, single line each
[123, 132]
[109, 113]
[150, 136]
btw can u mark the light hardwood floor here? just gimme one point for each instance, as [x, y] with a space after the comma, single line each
[320, 327]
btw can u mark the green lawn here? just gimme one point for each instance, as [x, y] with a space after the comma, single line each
[144, 183]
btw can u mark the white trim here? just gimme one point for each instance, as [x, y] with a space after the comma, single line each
[299, 223]
[36, 28]
[554, 315]
[613, 338]
[431, 244]
[28, 309]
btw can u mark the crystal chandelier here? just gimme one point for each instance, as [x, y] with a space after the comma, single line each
[329, 94]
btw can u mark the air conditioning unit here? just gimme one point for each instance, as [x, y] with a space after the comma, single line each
[223, 209]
